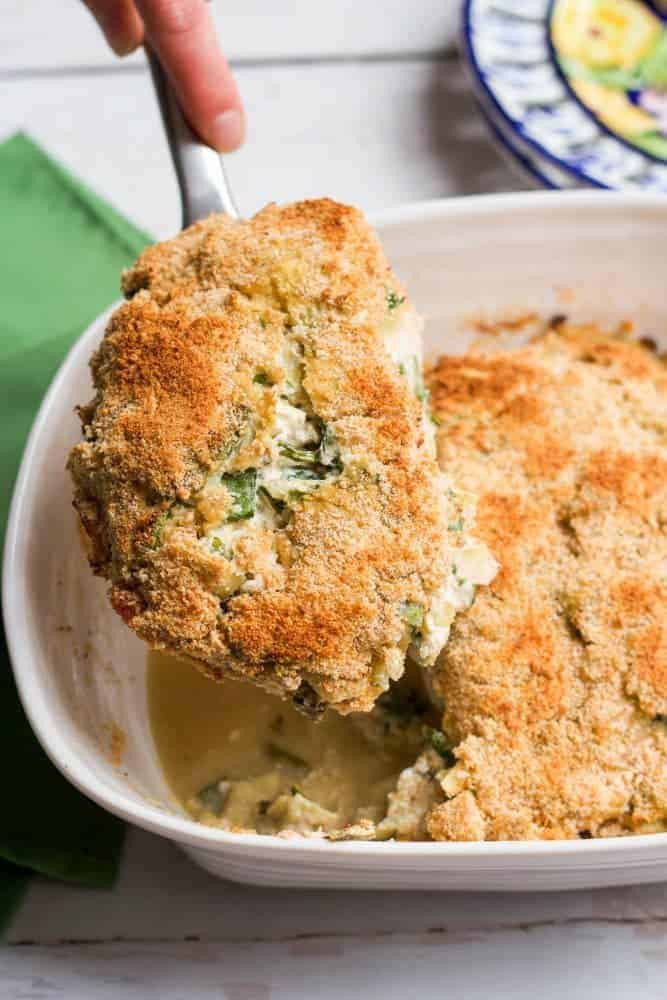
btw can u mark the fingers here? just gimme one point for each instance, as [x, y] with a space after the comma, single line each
[120, 23]
[183, 35]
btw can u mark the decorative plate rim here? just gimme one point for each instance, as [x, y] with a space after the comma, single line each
[521, 161]
[580, 174]
[469, 49]
[512, 139]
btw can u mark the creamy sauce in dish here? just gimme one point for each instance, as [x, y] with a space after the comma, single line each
[239, 758]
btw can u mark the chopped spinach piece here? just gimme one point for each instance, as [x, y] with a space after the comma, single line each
[277, 505]
[439, 743]
[322, 459]
[261, 378]
[284, 756]
[214, 796]
[316, 472]
[241, 486]
[328, 452]
[296, 496]
[456, 525]
[301, 456]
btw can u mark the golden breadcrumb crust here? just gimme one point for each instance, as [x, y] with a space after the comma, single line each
[175, 382]
[555, 681]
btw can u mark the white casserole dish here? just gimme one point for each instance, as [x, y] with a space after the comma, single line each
[81, 672]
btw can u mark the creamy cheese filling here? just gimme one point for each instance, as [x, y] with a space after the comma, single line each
[472, 564]
[301, 454]
[237, 757]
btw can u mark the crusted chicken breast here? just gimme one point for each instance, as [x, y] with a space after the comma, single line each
[257, 477]
[555, 681]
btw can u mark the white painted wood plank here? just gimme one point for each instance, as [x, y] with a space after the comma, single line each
[163, 896]
[41, 34]
[373, 134]
[548, 962]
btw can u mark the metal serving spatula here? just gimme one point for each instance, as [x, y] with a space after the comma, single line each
[201, 176]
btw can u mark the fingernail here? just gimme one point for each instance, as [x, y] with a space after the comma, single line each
[227, 131]
[124, 46]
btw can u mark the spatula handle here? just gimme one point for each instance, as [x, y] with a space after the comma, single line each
[201, 176]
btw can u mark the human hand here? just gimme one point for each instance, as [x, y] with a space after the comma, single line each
[183, 35]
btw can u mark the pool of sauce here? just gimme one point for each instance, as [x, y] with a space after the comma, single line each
[265, 751]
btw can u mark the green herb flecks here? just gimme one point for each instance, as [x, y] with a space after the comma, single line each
[220, 548]
[439, 743]
[158, 530]
[413, 373]
[394, 300]
[413, 614]
[456, 525]
[418, 380]
[242, 488]
[261, 378]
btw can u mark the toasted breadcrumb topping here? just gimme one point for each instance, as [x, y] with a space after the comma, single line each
[257, 477]
[555, 682]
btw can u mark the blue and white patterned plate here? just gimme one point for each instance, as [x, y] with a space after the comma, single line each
[523, 156]
[521, 82]
[525, 166]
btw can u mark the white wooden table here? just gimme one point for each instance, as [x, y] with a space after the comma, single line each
[363, 101]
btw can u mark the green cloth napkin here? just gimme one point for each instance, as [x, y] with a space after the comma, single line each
[63, 249]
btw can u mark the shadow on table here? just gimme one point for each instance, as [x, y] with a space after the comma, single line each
[460, 135]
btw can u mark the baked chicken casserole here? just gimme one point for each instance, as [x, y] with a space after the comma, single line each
[257, 477]
[546, 714]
